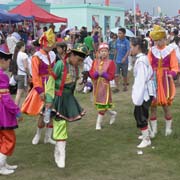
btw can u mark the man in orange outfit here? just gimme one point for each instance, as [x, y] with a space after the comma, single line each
[165, 66]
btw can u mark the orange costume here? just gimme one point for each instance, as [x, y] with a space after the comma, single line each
[42, 65]
[165, 67]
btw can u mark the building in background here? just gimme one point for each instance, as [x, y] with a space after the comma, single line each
[90, 15]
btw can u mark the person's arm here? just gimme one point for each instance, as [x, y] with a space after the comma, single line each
[139, 84]
[128, 52]
[50, 86]
[109, 75]
[36, 79]
[173, 64]
[25, 64]
[115, 52]
[93, 73]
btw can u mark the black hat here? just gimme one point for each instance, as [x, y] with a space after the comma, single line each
[4, 52]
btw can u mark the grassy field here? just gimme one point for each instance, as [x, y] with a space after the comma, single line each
[110, 154]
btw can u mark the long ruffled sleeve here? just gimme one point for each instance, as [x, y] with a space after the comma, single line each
[173, 64]
[53, 81]
[36, 79]
[92, 72]
[50, 90]
[139, 84]
[111, 71]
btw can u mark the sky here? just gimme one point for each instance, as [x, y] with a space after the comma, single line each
[169, 7]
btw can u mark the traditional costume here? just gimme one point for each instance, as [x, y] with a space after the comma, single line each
[143, 91]
[60, 93]
[9, 111]
[42, 65]
[102, 72]
[165, 68]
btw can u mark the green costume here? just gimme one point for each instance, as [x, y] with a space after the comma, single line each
[60, 92]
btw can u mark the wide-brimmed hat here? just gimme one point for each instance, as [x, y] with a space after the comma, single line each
[81, 49]
[157, 33]
[4, 52]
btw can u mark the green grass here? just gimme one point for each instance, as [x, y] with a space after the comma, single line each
[110, 154]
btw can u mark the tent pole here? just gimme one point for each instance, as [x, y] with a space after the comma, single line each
[34, 29]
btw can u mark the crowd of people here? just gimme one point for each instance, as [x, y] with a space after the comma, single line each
[46, 70]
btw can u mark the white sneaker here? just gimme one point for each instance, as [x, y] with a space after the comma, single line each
[36, 139]
[113, 117]
[47, 138]
[140, 137]
[5, 171]
[11, 167]
[144, 143]
[37, 136]
[168, 132]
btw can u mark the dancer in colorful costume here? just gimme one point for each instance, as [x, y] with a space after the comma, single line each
[165, 66]
[42, 64]
[9, 112]
[102, 72]
[60, 98]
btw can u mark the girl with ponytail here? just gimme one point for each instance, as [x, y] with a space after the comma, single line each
[21, 70]
[143, 89]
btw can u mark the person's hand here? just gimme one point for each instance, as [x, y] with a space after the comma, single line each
[123, 60]
[48, 105]
[96, 75]
[104, 75]
[20, 118]
[42, 96]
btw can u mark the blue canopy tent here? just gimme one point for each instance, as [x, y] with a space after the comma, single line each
[6, 17]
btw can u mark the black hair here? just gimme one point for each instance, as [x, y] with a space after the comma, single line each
[147, 34]
[62, 45]
[13, 65]
[142, 43]
[45, 28]
[176, 32]
[5, 56]
[89, 33]
[123, 30]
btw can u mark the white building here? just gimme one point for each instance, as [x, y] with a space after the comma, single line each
[90, 15]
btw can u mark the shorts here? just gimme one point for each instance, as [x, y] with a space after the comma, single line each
[21, 81]
[121, 67]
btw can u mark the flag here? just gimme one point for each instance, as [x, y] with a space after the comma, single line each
[159, 10]
[107, 2]
[138, 11]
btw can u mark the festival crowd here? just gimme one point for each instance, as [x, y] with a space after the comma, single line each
[44, 67]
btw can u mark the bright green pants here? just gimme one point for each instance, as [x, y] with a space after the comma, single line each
[59, 130]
